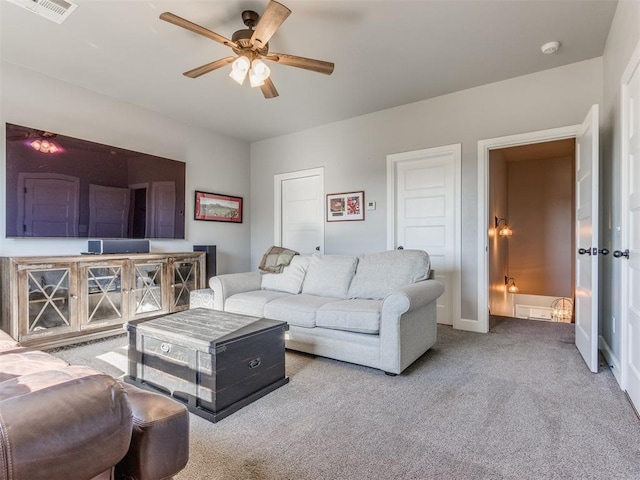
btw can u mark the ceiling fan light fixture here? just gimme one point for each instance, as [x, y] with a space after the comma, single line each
[239, 69]
[238, 76]
[44, 146]
[249, 44]
[255, 80]
[260, 69]
[259, 73]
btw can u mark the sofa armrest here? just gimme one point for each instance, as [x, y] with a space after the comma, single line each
[224, 286]
[408, 324]
[412, 297]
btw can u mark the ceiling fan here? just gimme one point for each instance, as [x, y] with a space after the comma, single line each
[39, 140]
[251, 45]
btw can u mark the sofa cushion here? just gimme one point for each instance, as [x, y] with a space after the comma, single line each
[22, 361]
[380, 273]
[361, 316]
[290, 280]
[297, 310]
[329, 275]
[251, 303]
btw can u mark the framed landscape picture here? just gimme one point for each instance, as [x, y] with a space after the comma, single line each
[342, 207]
[218, 208]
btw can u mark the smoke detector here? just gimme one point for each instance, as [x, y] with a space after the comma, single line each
[550, 47]
[54, 10]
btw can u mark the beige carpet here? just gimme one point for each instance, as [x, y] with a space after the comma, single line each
[517, 403]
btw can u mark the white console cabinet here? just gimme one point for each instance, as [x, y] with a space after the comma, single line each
[52, 301]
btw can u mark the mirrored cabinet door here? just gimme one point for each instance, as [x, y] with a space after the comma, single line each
[48, 299]
[146, 291]
[103, 294]
[186, 274]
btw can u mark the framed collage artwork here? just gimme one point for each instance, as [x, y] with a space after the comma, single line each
[343, 207]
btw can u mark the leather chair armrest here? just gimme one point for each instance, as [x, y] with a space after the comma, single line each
[74, 422]
[160, 441]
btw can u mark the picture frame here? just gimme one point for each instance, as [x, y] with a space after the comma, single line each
[216, 207]
[345, 207]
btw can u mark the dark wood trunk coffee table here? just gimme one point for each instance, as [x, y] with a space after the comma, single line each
[215, 362]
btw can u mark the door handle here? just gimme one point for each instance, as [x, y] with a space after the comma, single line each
[317, 248]
[593, 251]
[618, 254]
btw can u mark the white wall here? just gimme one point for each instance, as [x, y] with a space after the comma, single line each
[623, 38]
[354, 152]
[214, 163]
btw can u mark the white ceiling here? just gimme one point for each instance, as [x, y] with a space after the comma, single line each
[387, 53]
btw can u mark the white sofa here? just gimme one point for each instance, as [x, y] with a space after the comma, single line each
[377, 310]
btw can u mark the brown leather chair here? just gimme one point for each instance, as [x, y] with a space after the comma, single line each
[62, 422]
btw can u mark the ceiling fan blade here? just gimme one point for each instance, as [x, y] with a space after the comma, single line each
[301, 62]
[271, 19]
[269, 89]
[209, 67]
[181, 22]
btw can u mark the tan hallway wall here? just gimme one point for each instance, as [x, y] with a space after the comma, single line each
[541, 213]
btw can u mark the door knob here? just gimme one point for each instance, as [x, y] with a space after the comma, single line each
[317, 248]
[618, 253]
[583, 251]
[603, 251]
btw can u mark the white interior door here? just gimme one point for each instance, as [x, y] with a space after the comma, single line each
[299, 207]
[629, 253]
[586, 288]
[426, 208]
[48, 205]
[163, 209]
[108, 211]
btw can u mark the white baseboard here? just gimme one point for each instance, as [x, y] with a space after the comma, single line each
[468, 325]
[611, 359]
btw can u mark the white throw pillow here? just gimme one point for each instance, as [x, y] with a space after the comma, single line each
[380, 273]
[291, 278]
[329, 275]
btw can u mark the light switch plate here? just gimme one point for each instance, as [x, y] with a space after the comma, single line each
[371, 205]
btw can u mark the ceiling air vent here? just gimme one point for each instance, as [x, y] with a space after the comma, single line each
[54, 10]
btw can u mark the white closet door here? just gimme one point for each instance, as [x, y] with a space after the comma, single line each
[299, 206]
[426, 208]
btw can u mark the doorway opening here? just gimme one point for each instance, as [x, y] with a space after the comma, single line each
[531, 192]
[586, 226]
[139, 215]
